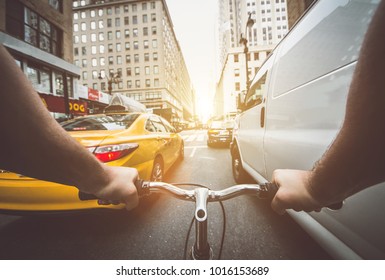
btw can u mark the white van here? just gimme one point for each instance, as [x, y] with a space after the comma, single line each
[295, 108]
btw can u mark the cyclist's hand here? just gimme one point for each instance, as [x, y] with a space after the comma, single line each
[293, 191]
[120, 187]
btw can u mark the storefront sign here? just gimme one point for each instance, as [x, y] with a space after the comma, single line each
[78, 107]
[93, 94]
[56, 104]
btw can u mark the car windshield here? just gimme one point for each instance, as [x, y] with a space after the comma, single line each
[222, 124]
[101, 122]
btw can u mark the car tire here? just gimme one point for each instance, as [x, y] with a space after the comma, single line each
[239, 174]
[157, 173]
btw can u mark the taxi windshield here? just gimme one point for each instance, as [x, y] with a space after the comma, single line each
[100, 122]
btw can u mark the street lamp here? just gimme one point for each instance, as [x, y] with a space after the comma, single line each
[112, 78]
[243, 40]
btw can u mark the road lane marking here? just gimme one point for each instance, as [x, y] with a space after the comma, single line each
[194, 149]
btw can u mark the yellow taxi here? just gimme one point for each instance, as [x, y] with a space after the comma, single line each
[144, 141]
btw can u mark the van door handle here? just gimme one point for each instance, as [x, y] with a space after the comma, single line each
[262, 120]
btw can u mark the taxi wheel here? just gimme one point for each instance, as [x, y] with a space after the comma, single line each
[157, 171]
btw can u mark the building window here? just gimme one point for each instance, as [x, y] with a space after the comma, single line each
[109, 22]
[154, 43]
[145, 44]
[146, 57]
[148, 83]
[40, 78]
[156, 69]
[128, 71]
[153, 17]
[237, 86]
[129, 84]
[236, 58]
[29, 26]
[56, 4]
[135, 19]
[155, 56]
[127, 33]
[147, 70]
[136, 45]
[236, 72]
[137, 83]
[136, 58]
[145, 18]
[137, 71]
[145, 31]
[135, 32]
[153, 30]
[144, 6]
[128, 58]
[84, 76]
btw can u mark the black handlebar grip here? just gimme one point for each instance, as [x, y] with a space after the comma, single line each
[86, 196]
[269, 189]
[139, 186]
[272, 188]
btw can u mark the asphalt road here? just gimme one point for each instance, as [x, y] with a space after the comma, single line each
[158, 227]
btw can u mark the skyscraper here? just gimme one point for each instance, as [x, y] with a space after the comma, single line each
[270, 26]
[130, 46]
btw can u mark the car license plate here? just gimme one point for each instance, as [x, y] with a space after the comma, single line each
[223, 139]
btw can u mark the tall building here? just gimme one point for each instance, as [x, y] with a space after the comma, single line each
[38, 33]
[270, 26]
[130, 47]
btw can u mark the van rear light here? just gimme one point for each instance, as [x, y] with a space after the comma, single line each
[113, 152]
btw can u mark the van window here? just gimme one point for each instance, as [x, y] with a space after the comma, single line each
[256, 92]
[258, 86]
[329, 37]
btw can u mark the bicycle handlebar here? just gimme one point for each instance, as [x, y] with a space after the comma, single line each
[262, 191]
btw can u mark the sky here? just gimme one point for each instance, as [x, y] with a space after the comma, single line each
[194, 25]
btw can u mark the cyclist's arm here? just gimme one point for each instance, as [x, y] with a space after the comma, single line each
[356, 159]
[32, 143]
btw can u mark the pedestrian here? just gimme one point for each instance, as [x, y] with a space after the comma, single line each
[32, 143]
[356, 158]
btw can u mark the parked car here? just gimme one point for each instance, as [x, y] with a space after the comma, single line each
[220, 132]
[294, 110]
[140, 140]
